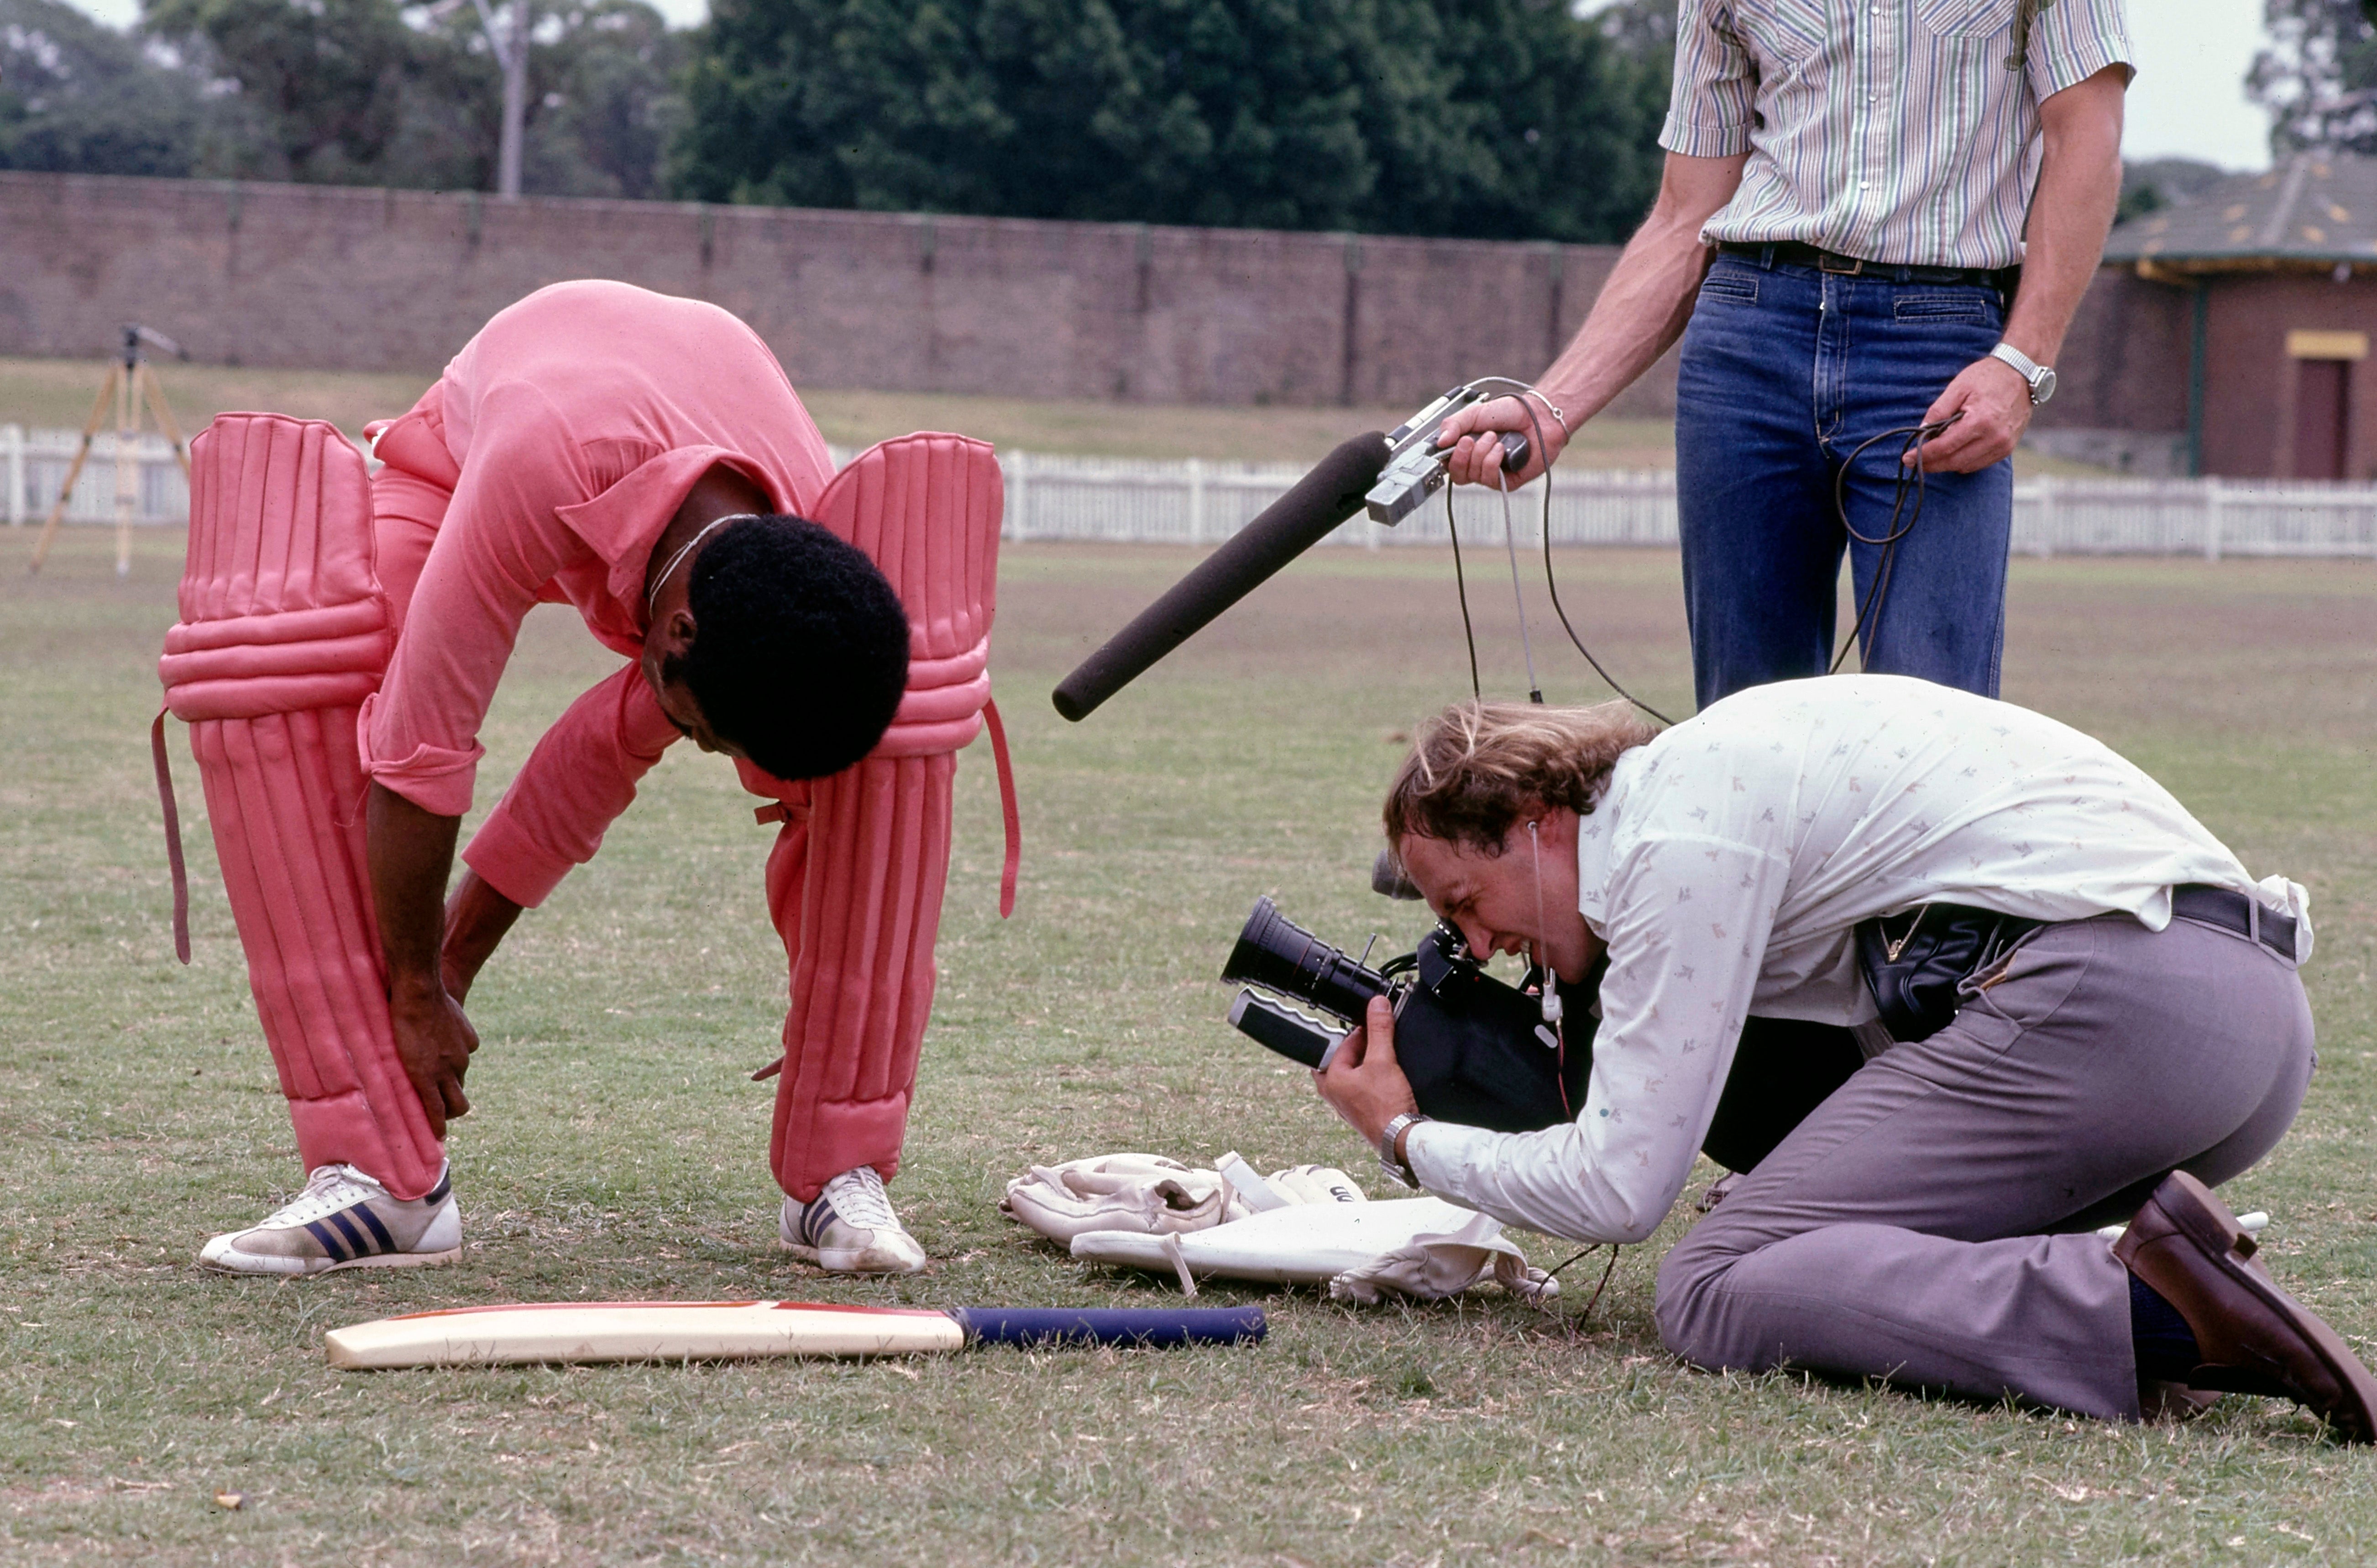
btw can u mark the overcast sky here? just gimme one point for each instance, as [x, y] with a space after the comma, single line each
[2189, 99]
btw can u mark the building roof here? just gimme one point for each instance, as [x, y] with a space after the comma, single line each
[2314, 210]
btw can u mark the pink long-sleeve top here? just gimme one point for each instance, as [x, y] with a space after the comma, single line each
[570, 430]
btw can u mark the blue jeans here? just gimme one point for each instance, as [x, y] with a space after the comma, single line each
[1785, 371]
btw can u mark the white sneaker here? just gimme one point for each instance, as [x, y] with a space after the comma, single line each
[850, 1228]
[344, 1219]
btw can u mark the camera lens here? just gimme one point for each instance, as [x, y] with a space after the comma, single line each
[1276, 953]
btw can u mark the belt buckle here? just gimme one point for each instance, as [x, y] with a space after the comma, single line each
[1826, 260]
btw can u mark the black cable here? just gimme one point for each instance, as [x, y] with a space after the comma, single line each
[1605, 1280]
[1518, 594]
[1551, 584]
[1597, 1289]
[1912, 436]
[1461, 586]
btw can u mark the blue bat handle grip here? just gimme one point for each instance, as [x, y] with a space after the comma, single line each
[1112, 1325]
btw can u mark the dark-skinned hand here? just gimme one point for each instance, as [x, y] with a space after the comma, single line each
[434, 1040]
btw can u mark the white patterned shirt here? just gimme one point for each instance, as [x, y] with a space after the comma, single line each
[1887, 129]
[1727, 865]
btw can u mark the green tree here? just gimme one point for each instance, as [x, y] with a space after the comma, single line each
[1566, 117]
[78, 97]
[1488, 117]
[328, 82]
[602, 100]
[371, 93]
[2319, 77]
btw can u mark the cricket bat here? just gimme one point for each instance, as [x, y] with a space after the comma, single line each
[717, 1331]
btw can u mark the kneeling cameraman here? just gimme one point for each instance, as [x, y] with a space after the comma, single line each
[2121, 1026]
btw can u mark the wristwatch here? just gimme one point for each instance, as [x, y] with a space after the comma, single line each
[2041, 377]
[1399, 1171]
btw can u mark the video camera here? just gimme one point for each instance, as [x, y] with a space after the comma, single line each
[1476, 1051]
[1479, 1052]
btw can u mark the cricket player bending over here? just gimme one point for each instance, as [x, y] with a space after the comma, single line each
[644, 459]
[2137, 1035]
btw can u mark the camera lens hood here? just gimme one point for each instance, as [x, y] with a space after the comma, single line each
[1276, 954]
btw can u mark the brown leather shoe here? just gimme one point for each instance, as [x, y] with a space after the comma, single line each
[2254, 1338]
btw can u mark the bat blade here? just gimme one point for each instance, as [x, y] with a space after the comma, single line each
[639, 1330]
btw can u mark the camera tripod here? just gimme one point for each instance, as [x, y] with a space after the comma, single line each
[130, 382]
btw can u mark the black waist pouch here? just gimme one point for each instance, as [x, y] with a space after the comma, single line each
[1915, 961]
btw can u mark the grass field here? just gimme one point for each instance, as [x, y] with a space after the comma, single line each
[617, 1148]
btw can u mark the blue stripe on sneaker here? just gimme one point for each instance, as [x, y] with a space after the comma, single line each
[436, 1194]
[330, 1244]
[814, 1218]
[380, 1232]
[356, 1240]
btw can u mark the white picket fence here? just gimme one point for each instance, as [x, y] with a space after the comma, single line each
[1194, 503]
[33, 467]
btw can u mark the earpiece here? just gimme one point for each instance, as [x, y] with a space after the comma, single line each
[1552, 1009]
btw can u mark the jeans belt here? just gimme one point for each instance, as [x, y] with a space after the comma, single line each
[1792, 253]
[2236, 913]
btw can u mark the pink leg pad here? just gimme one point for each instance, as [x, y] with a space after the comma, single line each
[856, 879]
[284, 631]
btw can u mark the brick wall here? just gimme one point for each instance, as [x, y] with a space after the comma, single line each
[344, 279]
[334, 278]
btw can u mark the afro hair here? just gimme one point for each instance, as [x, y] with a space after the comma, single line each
[800, 645]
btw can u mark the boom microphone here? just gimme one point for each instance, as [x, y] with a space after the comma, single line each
[1331, 492]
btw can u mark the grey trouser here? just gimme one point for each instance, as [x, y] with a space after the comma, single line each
[1931, 1222]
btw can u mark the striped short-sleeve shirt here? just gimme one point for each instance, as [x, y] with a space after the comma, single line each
[1901, 131]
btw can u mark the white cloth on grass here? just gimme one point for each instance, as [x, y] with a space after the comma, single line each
[1728, 864]
[1429, 1269]
[1364, 1252]
[1147, 1194]
[1143, 1193]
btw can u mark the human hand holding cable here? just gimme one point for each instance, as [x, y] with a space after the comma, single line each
[1365, 1084]
[1988, 408]
[1473, 455]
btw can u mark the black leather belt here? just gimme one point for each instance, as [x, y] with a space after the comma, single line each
[1792, 253]
[2235, 911]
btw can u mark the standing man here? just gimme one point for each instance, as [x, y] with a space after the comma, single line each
[1876, 214]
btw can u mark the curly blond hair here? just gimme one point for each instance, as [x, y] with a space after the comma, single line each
[1479, 767]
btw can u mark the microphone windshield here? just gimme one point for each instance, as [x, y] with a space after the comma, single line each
[1323, 498]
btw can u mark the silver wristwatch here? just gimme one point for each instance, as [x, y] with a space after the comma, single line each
[2041, 377]
[1398, 1171]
